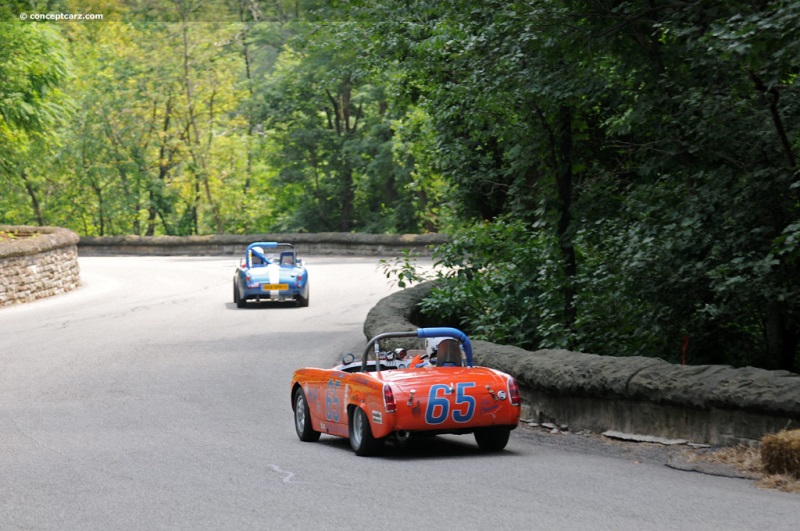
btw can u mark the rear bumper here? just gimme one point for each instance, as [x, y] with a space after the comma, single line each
[412, 424]
[282, 295]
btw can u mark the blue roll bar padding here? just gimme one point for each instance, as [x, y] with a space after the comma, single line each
[266, 244]
[270, 245]
[455, 333]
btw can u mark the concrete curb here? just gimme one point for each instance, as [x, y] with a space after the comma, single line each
[325, 243]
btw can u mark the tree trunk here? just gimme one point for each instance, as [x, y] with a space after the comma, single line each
[344, 129]
[564, 187]
[245, 7]
[347, 198]
[163, 170]
[781, 338]
[195, 145]
[34, 199]
[560, 140]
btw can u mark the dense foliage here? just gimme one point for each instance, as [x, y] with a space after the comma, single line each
[619, 177]
[647, 151]
[194, 117]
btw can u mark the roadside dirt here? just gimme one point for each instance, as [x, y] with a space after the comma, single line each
[734, 462]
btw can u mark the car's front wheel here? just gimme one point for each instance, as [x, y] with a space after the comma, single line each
[302, 418]
[492, 439]
[361, 439]
[240, 302]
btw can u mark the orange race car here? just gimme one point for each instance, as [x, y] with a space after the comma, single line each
[398, 394]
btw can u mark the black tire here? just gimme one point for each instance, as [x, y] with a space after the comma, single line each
[492, 439]
[302, 302]
[302, 418]
[240, 302]
[361, 438]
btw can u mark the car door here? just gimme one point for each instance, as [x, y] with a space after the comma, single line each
[335, 404]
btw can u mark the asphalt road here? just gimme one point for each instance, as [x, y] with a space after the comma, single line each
[147, 400]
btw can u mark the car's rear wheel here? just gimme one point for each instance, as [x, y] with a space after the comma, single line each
[492, 439]
[302, 418]
[303, 301]
[361, 439]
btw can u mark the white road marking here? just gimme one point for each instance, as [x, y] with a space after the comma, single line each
[287, 478]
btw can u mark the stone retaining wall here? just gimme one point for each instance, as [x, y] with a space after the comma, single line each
[39, 262]
[647, 396]
[325, 243]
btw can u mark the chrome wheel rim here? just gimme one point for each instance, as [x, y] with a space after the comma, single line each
[300, 413]
[358, 424]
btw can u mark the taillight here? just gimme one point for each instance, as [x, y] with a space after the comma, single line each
[513, 392]
[388, 399]
[300, 278]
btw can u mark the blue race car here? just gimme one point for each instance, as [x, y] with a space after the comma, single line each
[270, 271]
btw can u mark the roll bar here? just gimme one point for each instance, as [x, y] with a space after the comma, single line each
[269, 245]
[420, 333]
[265, 245]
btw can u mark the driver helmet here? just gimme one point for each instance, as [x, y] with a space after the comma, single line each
[257, 254]
[432, 345]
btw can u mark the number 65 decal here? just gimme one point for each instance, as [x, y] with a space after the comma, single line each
[332, 401]
[439, 406]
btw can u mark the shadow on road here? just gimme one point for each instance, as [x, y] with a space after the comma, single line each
[421, 447]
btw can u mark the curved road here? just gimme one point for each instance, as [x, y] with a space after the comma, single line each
[146, 400]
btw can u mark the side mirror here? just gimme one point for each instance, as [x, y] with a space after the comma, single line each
[348, 358]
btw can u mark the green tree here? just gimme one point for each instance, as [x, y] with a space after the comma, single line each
[512, 105]
[331, 130]
[158, 100]
[710, 176]
[32, 69]
[656, 140]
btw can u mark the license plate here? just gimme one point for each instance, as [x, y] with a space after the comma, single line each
[273, 287]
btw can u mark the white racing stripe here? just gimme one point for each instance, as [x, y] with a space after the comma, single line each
[274, 271]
